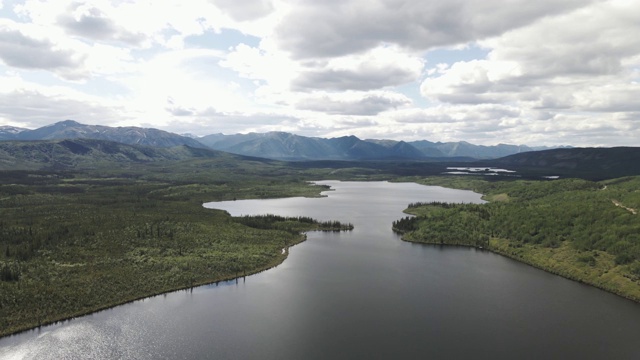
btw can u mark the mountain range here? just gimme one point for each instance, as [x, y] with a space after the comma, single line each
[68, 145]
[91, 153]
[272, 145]
[70, 129]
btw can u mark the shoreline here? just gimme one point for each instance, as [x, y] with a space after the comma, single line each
[282, 256]
[492, 249]
[605, 276]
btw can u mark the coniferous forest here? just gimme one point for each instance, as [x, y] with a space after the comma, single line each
[73, 242]
[584, 230]
[76, 239]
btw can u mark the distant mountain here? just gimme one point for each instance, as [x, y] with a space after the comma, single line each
[10, 132]
[463, 148]
[422, 147]
[221, 141]
[286, 146]
[70, 129]
[593, 163]
[279, 145]
[90, 153]
[272, 145]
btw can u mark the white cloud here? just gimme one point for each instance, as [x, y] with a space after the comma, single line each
[25, 46]
[91, 22]
[109, 60]
[591, 41]
[578, 69]
[182, 82]
[353, 103]
[476, 81]
[263, 64]
[31, 105]
[375, 69]
[556, 71]
[246, 10]
[574, 53]
[137, 23]
[335, 28]
[459, 113]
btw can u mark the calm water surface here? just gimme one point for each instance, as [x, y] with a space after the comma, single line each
[358, 295]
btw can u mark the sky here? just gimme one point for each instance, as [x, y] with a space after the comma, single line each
[542, 72]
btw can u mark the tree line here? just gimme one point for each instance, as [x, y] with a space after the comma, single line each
[579, 213]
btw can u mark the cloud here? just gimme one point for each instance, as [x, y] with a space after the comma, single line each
[315, 29]
[378, 68]
[258, 63]
[588, 47]
[466, 114]
[591, 41]
[212, 121]
[141, 24]
[180, 111]
[189, 78]
[22, 50]
[574, 76]
[537, 72]
[353, 103]
[247, 9]
[473, 82]
[33, 109]
[90, 22]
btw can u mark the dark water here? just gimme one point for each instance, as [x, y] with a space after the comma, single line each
[358, 295]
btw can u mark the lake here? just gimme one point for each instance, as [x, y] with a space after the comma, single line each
[355, 295]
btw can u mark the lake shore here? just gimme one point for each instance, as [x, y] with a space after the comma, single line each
[539, 218]
[282, 256]
[600, 277]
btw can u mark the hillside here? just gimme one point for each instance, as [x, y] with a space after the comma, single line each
[89, 153]
[463, 148]
[10, 132]
[580, 229]
[591, 163]
[286, 146]
[70, 129]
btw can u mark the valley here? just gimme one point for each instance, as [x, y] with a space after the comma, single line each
[124, 222]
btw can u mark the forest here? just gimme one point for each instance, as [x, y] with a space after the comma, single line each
[74, 242]
[584, 230]
[80, 239]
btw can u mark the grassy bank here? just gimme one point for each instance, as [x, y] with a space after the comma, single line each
[76, 242]
[582, 230]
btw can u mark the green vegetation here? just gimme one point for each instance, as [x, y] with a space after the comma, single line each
[73, 242]
[292, 224]
[89, 225]
[583, 230]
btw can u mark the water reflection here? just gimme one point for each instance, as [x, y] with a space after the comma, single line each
[359, 294]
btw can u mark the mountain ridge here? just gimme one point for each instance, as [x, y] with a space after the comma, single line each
[70, 129]
[275, 145]
[90, 153]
